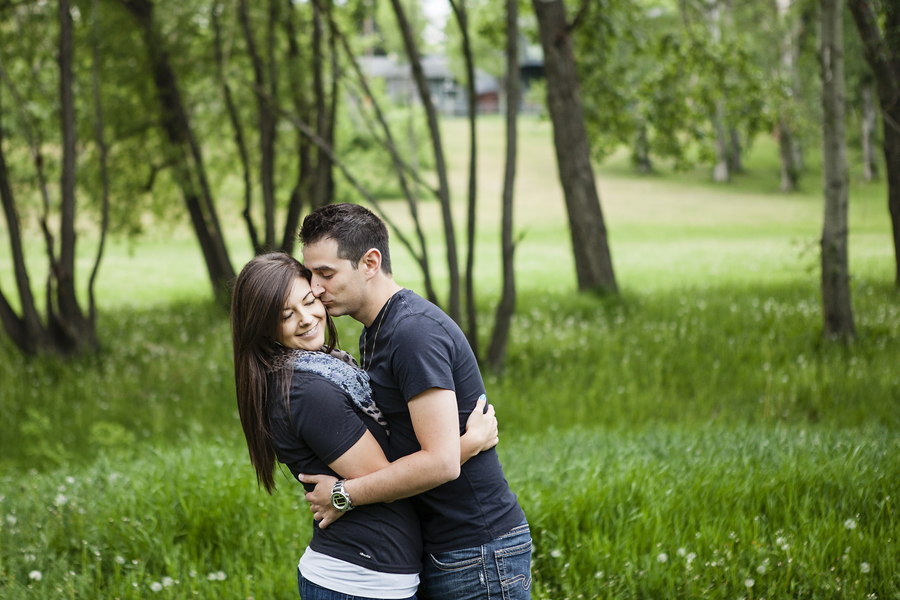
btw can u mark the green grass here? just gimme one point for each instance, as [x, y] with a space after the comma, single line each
[700, 416]
[673, 512]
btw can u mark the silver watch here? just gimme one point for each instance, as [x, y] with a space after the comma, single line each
[340, 499]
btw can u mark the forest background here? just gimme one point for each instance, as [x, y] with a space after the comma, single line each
[679, 416]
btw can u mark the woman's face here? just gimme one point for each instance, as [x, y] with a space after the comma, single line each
[303, 317]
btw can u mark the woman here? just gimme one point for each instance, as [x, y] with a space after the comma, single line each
[302, 402]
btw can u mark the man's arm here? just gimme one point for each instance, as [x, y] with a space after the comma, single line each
[435, 419]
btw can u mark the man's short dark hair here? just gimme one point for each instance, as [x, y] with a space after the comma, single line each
[355, 229]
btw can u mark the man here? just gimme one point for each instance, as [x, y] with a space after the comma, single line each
[426, 381]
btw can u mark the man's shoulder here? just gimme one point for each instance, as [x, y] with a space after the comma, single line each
[416, 311]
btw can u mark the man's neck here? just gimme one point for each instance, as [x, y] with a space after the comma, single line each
[381, 290]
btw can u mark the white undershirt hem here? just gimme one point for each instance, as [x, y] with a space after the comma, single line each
[344, 577]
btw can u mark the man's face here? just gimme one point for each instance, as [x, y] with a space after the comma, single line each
[340, 287]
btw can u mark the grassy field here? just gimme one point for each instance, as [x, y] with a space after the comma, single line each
[693, 438]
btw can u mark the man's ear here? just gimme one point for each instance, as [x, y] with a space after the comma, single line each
[371, 262]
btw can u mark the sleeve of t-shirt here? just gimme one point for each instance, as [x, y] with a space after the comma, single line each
[421, 356]
[323, 416]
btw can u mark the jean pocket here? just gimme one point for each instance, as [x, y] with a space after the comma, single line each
[456, 560]
[514, 568]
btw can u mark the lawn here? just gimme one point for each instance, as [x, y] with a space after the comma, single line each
[694, 437]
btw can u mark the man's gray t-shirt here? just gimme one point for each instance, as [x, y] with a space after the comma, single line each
[413, 346]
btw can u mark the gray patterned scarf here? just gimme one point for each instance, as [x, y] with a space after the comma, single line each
[340, 368]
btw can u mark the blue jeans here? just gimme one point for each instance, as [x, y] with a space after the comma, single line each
[311, 591]
[499, 570]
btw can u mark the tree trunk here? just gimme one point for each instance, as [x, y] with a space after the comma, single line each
[869, 125]
[76, 329]
[459, 10]
[593, 264]
[103, 152]
[640, 155]
[182, 148]
[720, 168]
[26, 332]
[838, 313]
[786, 141]
[234, 118]
[507, 306]
[267, 123]
[323, 164]
[300, 195]
[412, 51]
[882, 51]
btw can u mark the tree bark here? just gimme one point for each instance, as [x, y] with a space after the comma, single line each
[234, 118]
[300, 195]
[640, 155]
[838, 314]
[103, 152]
[76, 330]
[459, 10]
[869, 125]
[786, 141]
[507, 307]
[882, 51]
[267, 124]
[593, 263]
[27, 331]
[183, 147]
[323, 163]
[412, 51]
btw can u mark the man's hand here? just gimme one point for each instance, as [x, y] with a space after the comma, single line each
[320, 499]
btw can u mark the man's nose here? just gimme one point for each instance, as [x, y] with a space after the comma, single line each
[317, 288]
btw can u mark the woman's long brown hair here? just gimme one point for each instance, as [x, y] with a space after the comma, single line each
[260, 293]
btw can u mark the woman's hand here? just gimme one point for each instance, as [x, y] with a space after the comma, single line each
[481, 431]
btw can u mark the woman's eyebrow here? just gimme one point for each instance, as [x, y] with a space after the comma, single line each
[307, 294]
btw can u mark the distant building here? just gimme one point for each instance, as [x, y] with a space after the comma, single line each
[449, 95]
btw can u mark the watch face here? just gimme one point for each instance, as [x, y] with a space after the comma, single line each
[339, 501]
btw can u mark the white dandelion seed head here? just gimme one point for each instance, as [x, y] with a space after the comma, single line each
[120, 560]
[168, 582]
[211, 576]
[556, 553]
[11, 520]
[865, 568]
[780, 541]
[156, 587]
[60, 500]
[663, 557]
[850, 524]
[70, 480]
[30, 558]
[35, 575]
[761, 569]
[193, 573]
[691, 557]
[221, 576]
[749, 583]
[682, 552]
[598, 575]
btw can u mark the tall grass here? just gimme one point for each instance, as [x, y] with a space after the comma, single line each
[728, 355]
[673, 512]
